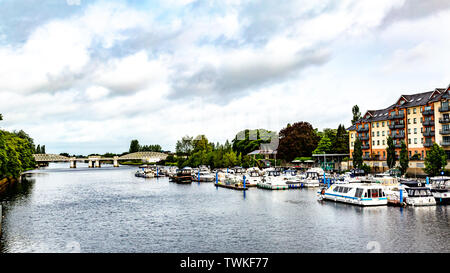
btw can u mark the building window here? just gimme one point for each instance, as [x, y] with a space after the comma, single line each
[415, 140]
[382, 133]
[409, 112]
[382, 123]
[378, 133]
[409, 131]
[415, 131]
[414, 110]
[409, 121]
[383, 142]
[378, 142]
[415, 121]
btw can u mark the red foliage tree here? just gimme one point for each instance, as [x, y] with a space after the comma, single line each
[297, 140]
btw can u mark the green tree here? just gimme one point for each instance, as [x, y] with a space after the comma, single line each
[404, 159]
[340, 143]
[356, 114]
[391, 156]
[134, 146]
[298, 139]
[358, 154]
[324, 146]
[435, 161]
[184, 146]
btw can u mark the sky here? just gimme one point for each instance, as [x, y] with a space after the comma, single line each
[87, 77]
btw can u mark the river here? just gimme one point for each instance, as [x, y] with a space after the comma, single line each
[105, 210]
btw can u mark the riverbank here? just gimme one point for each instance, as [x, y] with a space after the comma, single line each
[6, 183]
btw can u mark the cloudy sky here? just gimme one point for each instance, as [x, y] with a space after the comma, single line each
[89, 76]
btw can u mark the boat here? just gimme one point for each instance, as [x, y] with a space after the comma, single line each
[440, 188]
[183, 176]
[292, 179]
[417, 194]
[145, 173]
[272, 180]
[311, 178]
[204, 176]
[231, 181]
[253, 177]
[361, 194]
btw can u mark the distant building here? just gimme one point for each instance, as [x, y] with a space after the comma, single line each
[420, 120]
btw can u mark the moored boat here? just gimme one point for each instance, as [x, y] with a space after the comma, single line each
[272, 180]
[440, 188]
[361, 194]
[183, 176]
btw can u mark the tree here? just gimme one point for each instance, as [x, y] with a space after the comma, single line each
[404, 159]
[184, 146]
[357, 154]
[38, 149]
[298, 139]
[340, 143]
[1, 117]
[134, 146]
[391, 156]
[43, 149]
[356, 114]
[435, 161]
[324, 146]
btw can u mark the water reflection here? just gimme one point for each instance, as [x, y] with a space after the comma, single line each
[111, 210]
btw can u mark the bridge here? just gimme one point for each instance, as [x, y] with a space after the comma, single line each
[95, 161]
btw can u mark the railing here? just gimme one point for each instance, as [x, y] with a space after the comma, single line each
[362, 129]
[444, 120]
[365, 147]
[444, 132]
[396, 116]
[398, 145]
[399, 126]
[428, 122]
[366, 157]
[428, 112]
[428, 133]
[364, 138]
[445, 143]
[398, 135]
[428, 144]
[444, 109]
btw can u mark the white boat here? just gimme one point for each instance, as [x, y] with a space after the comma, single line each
[417, 194]
[361, 194]
[145, 173]
[253, 177]
[440, 188]
[272, 180]
[311, 178]
[292, 179]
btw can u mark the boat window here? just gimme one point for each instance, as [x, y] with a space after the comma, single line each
[358, 192]
[365, 194]
[336, 189]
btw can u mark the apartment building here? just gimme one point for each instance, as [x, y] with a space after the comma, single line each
[420, 120]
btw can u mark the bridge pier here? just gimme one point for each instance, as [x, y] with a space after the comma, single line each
[116, 161]
[98, 164]
[73, 163]
[90, 164]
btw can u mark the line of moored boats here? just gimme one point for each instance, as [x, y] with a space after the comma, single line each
[352, 187]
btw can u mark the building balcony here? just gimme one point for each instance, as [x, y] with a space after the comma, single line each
[428, 123]
[399, 145]
[444, 132]
[444, 109]
[445, 143]
[363, 138]
[365, 147]
[428, 144]
[398, 135]
[396, 126]
[396, 116]
[428, 112]
[367, 157]
[444, 120]
[362, 129]
[428, 133]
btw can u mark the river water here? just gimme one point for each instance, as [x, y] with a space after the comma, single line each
[110, 210]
